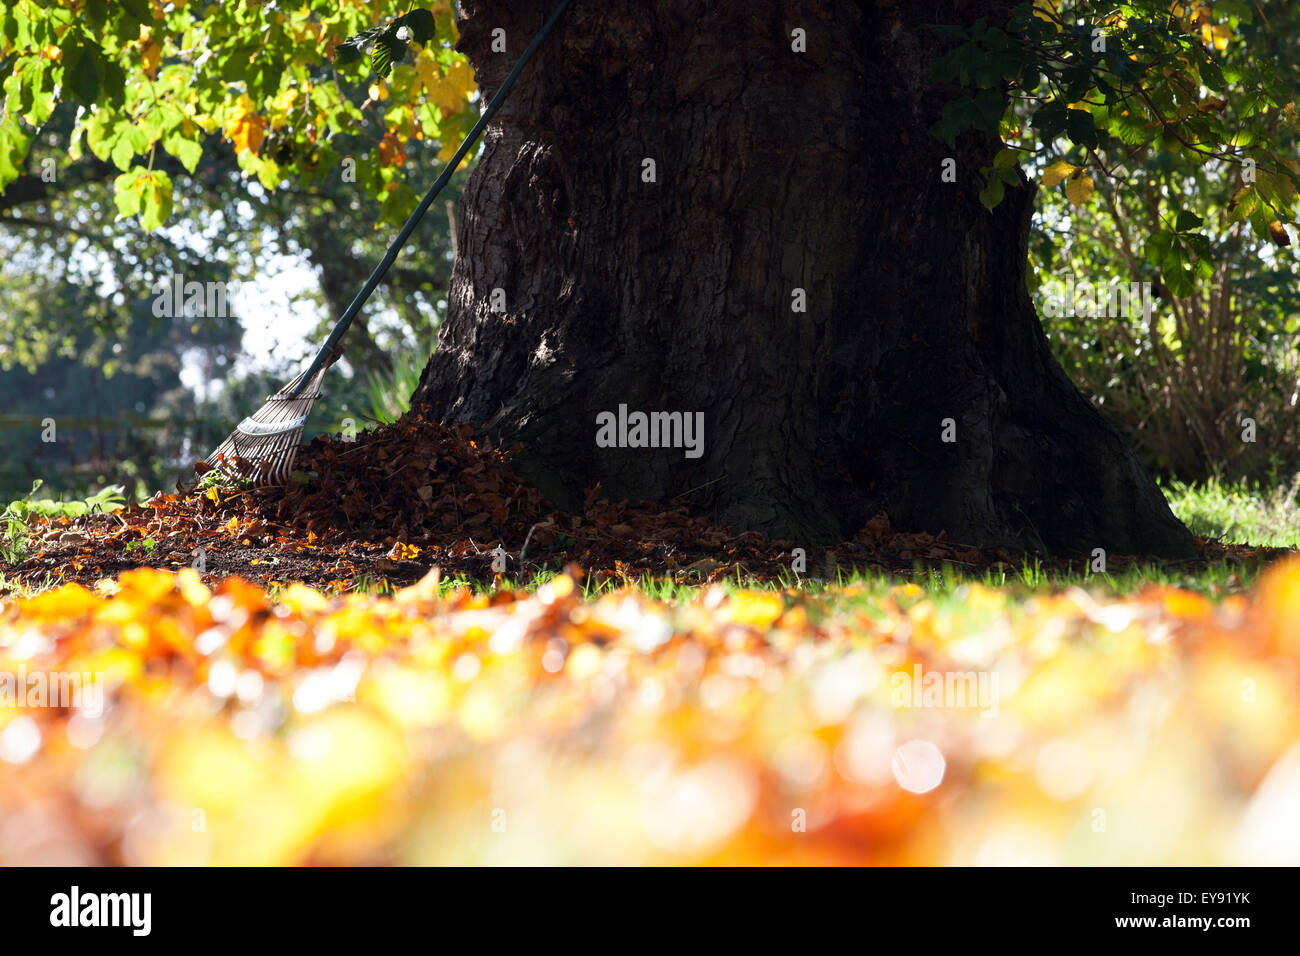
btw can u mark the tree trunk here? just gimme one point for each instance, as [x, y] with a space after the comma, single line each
[776, 171]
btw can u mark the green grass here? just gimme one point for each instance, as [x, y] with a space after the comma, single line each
[390, 393]
[15, 520]
[1215, 581]
[1236, 513]
[11, 587]
[1240, 513]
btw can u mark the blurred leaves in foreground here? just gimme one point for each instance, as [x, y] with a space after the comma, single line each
[754, 727]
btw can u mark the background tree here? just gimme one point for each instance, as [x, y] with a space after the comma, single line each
[1223, 344]
[241, 198]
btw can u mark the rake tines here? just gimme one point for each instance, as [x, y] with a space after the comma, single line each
[264, 445]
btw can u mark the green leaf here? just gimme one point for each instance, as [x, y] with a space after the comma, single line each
[421, 24]
[398, 204]
[125, 194]
[1261, 217]
[30, 89]
[347, 52]
[130, 141]
[1179, 280]
[97, 12]
[1080, 127]
[112, 83]
[992, 194]
[1157, 247]
[1005, 159]
[1050, 122]
[157, 201]
[137, 10]
[388, 50]
[13, 150]
[146, 192]
[1243, 204]
[82, 79]
[99, 131]
[1200, 245]
[184, 148]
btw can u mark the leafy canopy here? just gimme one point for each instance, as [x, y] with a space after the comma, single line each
[1082, 89]
[278, 82]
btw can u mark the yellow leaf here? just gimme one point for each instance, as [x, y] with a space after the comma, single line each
[66, 603]
[145, 587]
[150, 57]
[403, 552]
[285, 100]
[1279, 591]
[1216, 36]
[161, 193]
[299, 598]
[426, 66]
[246, 129]
[1057, 172]
[1079, 189]
[454, 90]
[192, 588]
[212, 769]
[757, 609]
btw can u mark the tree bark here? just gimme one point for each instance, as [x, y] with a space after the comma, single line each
[776, 171]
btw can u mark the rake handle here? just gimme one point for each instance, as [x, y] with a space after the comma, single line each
[414, 220]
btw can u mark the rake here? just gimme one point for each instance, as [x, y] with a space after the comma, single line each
[263, 446]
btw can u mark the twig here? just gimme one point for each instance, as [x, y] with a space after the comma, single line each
[698, 487]
[524, 550]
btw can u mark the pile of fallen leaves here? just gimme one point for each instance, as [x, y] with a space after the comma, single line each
[403, 498]
[390, 504]
[157, 721]
[414, 481]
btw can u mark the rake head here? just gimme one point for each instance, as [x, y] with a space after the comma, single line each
[264, 445]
